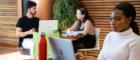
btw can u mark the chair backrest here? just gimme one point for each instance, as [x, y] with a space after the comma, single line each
[97, 34]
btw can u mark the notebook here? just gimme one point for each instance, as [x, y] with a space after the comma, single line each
[62, 49]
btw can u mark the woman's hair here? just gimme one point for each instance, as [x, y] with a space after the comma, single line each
[30, 4]
[86, 17]
[129, 11]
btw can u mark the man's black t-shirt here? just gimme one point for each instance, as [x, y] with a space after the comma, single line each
[26, 24]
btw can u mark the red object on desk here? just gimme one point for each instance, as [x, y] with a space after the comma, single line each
[42, 47]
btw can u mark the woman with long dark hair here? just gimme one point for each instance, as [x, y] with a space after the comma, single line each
[85, 27]
[123, 43]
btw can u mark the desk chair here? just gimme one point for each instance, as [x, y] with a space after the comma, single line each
[84, 51]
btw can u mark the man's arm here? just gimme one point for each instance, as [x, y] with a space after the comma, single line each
[19, 32]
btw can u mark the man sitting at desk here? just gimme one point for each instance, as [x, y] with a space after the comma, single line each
[28, 24]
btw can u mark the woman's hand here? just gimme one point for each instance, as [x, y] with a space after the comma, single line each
[68, 30]
[79, 55]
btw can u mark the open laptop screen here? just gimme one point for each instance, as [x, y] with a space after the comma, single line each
[62, 49]
[48, 26]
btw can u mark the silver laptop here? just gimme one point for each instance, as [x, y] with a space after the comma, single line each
[62, 49]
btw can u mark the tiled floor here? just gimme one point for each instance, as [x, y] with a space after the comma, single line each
[12, 54]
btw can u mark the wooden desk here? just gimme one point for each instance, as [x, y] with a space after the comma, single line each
[71, 38]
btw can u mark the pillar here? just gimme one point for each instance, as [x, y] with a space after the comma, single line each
[44, 9]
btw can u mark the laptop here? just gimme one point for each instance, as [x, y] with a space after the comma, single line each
[48, 26]
[62, 49]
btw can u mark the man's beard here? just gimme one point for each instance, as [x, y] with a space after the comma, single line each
[33, 14]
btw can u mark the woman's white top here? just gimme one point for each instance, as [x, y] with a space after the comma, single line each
[121, 46]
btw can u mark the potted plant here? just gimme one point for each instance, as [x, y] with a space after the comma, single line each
[64, 11]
